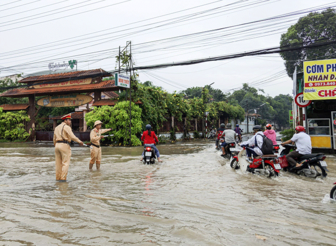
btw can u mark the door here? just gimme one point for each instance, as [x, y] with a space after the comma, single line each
[333, 122]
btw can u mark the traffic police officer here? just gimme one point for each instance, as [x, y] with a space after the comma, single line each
[63, 135]
[95, 136]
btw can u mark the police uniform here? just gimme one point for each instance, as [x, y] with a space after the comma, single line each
[95, 148]
[62, 137]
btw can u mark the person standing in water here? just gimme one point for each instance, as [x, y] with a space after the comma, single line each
[95, 150]
[62, 137]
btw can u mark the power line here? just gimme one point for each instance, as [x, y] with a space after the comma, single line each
[65, 16]
[19, 5]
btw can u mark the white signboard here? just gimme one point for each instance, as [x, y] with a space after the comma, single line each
[122, 80]
[53, 66]
[58, 66]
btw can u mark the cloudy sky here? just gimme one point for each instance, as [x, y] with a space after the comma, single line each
[35, 33]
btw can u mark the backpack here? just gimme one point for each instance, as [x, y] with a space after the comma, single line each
[267, 146]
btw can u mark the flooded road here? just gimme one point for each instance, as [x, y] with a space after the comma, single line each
[192, 198]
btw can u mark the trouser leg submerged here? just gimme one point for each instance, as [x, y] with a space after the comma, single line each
[95, 157]
[62, 157]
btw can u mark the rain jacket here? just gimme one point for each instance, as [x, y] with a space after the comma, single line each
[152, 139]
[271, 135]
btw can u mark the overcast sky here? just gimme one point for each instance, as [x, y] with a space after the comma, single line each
[36, 32]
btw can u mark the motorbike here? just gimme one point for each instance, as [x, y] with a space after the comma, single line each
[149, 155]
[267, 164]
[276, 149]
[212, 134]
[313, 165]
[333, 192]
[230, 150]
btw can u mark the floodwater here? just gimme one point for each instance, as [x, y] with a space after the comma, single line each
[192, 198]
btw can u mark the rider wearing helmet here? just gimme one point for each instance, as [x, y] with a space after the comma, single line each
[238, 131]
[219, 133]
[252, 148]
[269, 133]
[149, 138]
[230, 137]
[303, 146]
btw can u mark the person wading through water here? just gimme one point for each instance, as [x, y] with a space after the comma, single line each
[95, 149]
[62, 137]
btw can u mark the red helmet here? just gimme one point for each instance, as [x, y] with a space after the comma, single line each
[268, 126]
[300, 129]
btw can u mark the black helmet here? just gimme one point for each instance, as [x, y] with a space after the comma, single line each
[223, 125]
[257, 127]
[148, 127]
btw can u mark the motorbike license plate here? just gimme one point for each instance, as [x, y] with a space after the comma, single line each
[323, 163]
[148, 154]
[277, 166]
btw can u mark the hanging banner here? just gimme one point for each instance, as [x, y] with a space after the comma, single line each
[122, 80]
[72, 100]
[320, 80]
[66, 83]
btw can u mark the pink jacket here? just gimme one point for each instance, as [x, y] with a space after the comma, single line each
[271, 135]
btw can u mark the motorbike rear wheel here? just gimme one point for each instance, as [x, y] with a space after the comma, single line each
[333, 193]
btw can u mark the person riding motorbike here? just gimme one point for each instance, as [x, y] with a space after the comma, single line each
[256, 149]
[303, 146]
[230, 137]
[149, 138]
[238, 130]
[219, 134]
[270, 134]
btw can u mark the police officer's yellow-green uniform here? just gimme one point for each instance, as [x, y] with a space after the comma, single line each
[62, 137]
[95, 148]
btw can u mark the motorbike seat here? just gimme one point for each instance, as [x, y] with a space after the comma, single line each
[310, 156]
[269, 156]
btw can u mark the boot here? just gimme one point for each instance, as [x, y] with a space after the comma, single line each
[98, 165]
[90, 166]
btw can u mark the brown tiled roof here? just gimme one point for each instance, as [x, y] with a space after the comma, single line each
[14, 107]
[108, 102]
[70, 75]
[108, 85]
[111, 94]
[75, 115]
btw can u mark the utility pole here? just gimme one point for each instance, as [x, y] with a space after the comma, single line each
[130, 92]
[206, 119]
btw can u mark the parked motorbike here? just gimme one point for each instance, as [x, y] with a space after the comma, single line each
[149, 155]
[333, 192]
[313, 165]
[212, 134]
[267, 165]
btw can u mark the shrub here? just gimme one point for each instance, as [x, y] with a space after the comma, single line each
[118, 119]
[287, 134]
[196, 134]
[12, 125]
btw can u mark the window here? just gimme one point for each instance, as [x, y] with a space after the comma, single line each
[318, 126]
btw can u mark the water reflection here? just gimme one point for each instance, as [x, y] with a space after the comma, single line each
[192, 198]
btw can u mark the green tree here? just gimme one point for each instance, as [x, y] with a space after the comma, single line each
[8, 83]
[216, 95]
[12, 125]
[311, 29]
[118, 118]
